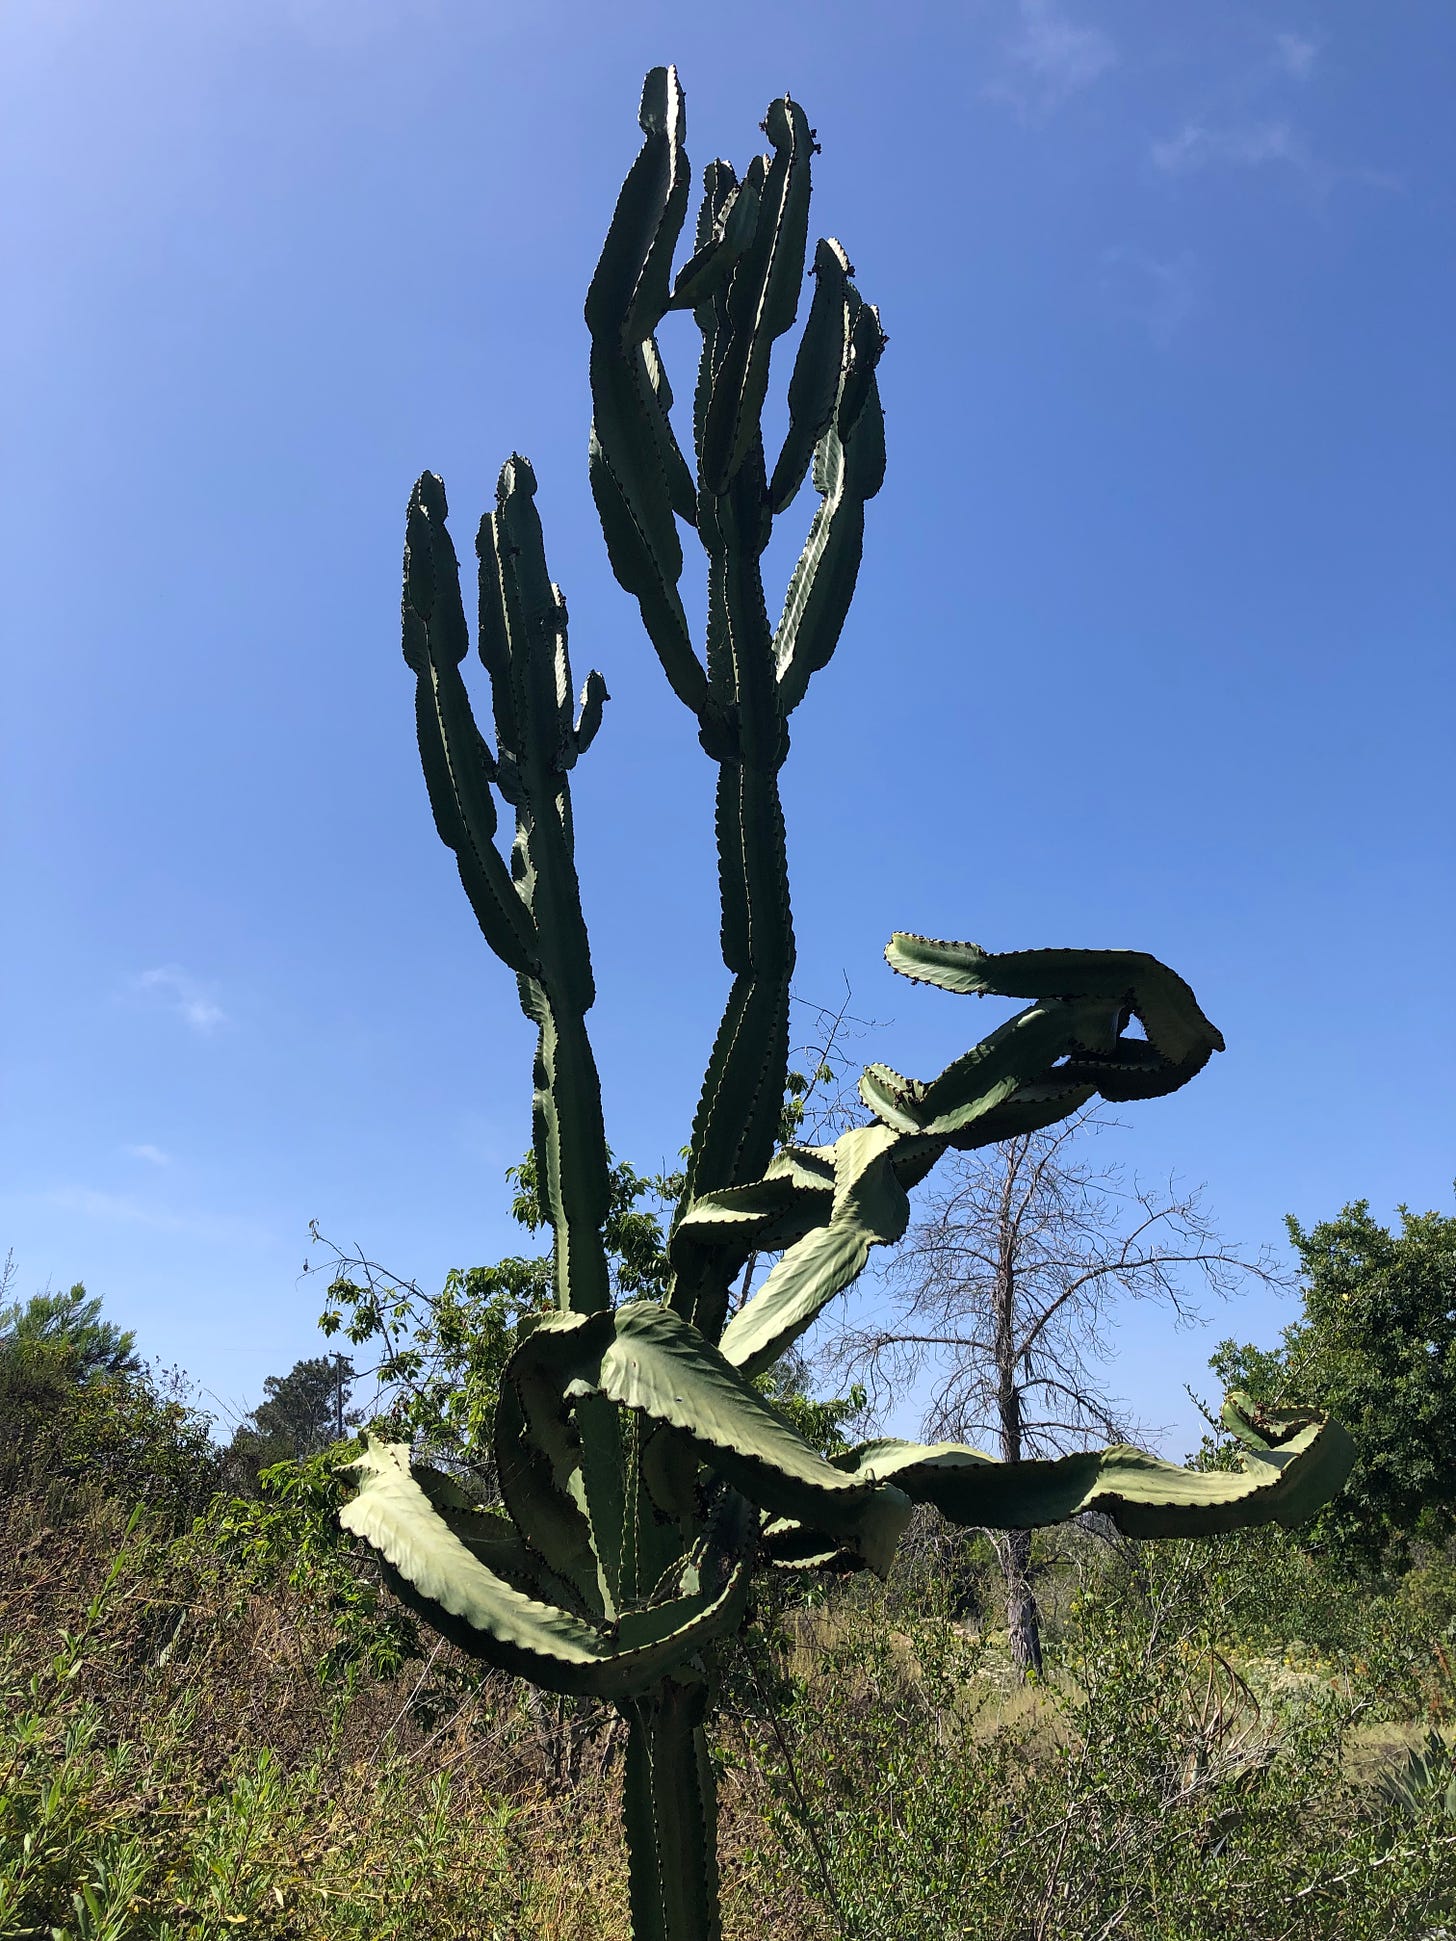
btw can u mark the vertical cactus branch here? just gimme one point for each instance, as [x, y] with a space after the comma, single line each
[642, 1474]
[530, 914]
[742, 284]
[523, 646]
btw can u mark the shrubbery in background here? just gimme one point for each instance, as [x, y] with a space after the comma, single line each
[79, 1412]
[1376, 1345]
[64, 1331]
[303, 1413]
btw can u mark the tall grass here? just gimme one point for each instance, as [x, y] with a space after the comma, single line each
[232, 1732]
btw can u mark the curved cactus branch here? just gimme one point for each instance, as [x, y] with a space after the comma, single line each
[1283, 1479]
[1032, 1071]
[870, 1208]
[647, 1358]
[1180, 1039]
[848, 1512]
[1144, 1496]
[436, 1572]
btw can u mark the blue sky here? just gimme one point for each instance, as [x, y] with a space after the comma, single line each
[1151, 648]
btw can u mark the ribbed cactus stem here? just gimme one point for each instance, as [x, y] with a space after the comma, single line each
[669, 1805]
[522, 640]
[737, 1125]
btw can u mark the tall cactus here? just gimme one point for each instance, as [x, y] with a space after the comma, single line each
[643, 1475]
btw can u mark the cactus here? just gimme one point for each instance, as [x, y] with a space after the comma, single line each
[643, 1475]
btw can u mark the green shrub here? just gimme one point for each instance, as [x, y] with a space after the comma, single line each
[1161, 1786]
[130, 1435]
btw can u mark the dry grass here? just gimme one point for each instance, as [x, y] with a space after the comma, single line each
[170, 1747]
[196, 1755]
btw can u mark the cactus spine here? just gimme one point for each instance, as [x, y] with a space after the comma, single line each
[642, 1475]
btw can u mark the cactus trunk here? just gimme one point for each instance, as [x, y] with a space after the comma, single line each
[670, 1805]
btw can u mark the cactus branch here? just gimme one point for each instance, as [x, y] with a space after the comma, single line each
[639, 477]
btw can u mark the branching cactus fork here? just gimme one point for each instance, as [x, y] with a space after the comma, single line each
[643, 1476]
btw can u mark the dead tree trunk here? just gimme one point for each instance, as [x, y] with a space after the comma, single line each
[1023, 1618]
[1007, 1292]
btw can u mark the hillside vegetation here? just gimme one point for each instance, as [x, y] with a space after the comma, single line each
[213, 1721]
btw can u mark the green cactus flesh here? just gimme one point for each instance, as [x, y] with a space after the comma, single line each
[643, 1476]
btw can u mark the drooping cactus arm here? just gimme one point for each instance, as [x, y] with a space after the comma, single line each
[554, 1514]
[1282, 1482]
[438, 1574]
[1180, 1038]
[849, 1512]
[495, 1540]
[721, 1232]
[992, 1072]
[740, 1222]
[870, 1208]
[1032, 1071]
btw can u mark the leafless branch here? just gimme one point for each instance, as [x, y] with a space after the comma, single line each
[1005, 1288]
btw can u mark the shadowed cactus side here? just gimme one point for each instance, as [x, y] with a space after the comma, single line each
[643, 1476]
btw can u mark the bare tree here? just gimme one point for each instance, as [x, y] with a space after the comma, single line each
[1003, 1298]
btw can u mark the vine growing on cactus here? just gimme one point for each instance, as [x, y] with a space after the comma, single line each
[643, 1475]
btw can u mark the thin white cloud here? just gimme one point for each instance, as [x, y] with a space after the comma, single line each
[1258, 144]
[1251, 131]
[122, 1207]
[153, 1155]
[130, 1209]
[1251, 145]
[1296, 55]
[1158, 293]
[189, 999]
[1049, 59]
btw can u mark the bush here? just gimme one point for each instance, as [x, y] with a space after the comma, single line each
[129, 1435]
[1163, 1785]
